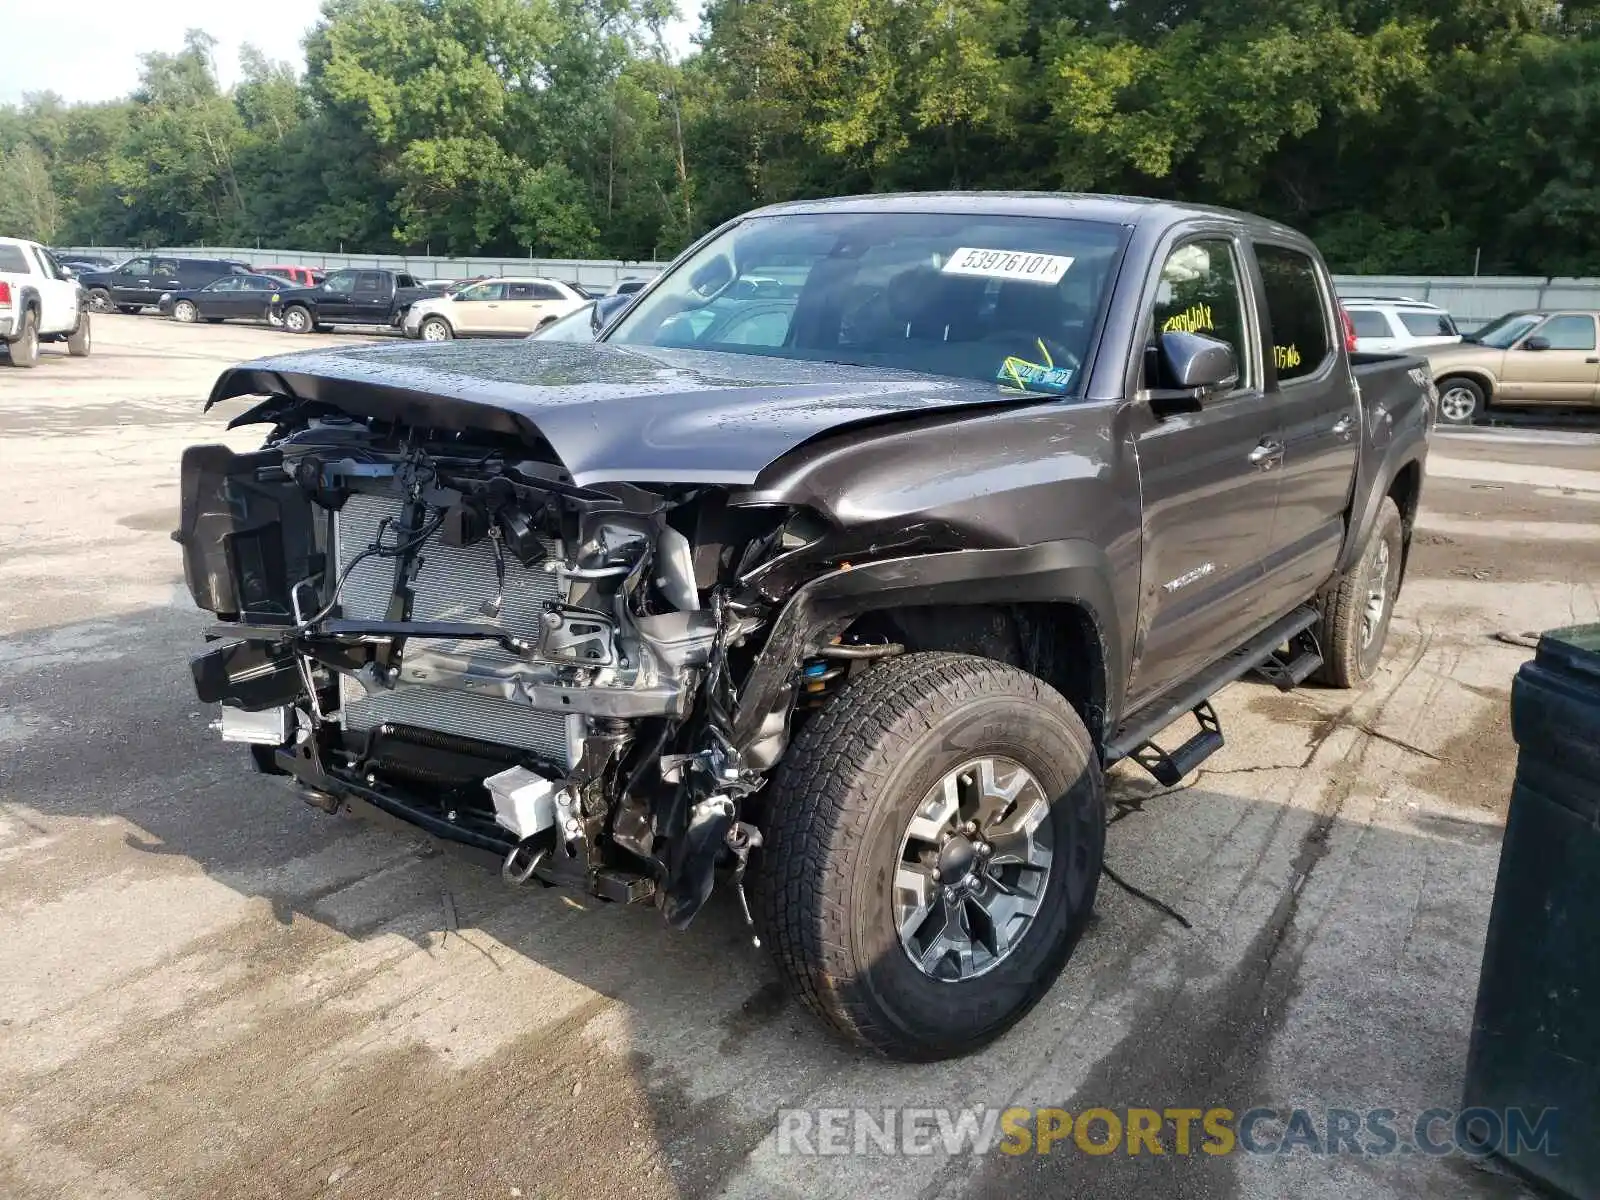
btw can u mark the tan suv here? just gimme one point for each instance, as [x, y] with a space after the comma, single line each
[1532, 358]
[506, 307]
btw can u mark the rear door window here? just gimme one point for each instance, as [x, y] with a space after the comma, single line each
[1427, 324]
[1199, 293]
[1371, 324]
[370, 284]
[1296, 315]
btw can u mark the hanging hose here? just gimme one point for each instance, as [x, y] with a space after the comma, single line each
[882, 650]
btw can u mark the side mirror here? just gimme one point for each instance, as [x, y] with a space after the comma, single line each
[1536, 343]
[1191, 367]
[1198, 363]
[604, 309]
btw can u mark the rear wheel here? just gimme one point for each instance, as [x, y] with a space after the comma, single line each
[25, 350]
[933, 852]
[297, 319]
[1355, 623]
[435, 329]
[185, 311]
[1461, 401]
[78, 341]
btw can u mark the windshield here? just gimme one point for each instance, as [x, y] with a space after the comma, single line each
[1004, 299]
[1503, 331]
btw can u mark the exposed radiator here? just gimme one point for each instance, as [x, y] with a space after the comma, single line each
[450, 585]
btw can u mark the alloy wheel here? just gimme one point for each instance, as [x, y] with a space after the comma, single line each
[973, 867]
[1377, 595]
[1457, 404]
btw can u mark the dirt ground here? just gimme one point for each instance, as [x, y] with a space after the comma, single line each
[208, 989]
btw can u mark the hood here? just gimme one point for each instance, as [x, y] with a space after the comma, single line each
[1458, 352]
[431, 302]
[297, 291]
[613, 413]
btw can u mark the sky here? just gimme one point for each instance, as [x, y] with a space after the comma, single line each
[89, 50]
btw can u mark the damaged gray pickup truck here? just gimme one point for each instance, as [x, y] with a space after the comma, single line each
[837, 570]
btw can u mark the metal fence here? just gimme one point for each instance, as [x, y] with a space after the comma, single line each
[1472, 300]
[1477, 300]
[594, 273]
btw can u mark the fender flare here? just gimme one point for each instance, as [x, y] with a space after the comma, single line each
[1478, 375]
[1398, 457]
[1066, 572]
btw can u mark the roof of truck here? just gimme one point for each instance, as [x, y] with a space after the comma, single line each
[1082, 206]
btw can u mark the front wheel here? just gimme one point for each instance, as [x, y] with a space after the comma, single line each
[100, 300]
[297, 319]
[932, 853]
[1461, 401]
[435, 329]
[78, 343]
[1355, 621]
[185, 312]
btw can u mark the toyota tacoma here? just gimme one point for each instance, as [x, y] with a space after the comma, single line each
[835, 572]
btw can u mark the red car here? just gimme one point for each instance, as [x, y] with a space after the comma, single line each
[299, 276]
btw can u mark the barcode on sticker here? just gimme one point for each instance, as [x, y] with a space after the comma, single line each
[1007, 264]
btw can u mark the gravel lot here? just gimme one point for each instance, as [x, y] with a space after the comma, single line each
[208, 989]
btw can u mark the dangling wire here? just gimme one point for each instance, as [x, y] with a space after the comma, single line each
[491, 608]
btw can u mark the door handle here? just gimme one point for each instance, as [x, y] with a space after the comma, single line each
[1343, 426]
[1267, 455]
[1592, 361]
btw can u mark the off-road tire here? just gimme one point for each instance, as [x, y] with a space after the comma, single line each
[25, 350]
[838, 808]
[297, 318]
[79, 340]
[1347, 662]
[100, 300]
[1455, 393]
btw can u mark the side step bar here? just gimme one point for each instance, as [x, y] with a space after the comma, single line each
[1132, 739]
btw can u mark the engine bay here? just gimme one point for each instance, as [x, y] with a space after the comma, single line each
[447, 629]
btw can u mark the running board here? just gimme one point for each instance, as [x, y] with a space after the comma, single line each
[1135, 733]
[1287, 671]
[1169, 768]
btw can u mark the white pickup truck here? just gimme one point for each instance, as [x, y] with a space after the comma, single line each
[40, 301]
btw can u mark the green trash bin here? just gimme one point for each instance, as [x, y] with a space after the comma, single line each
[1536, 1031]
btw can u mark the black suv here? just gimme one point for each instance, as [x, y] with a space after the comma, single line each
[142, 280]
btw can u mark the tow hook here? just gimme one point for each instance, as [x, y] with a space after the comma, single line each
[523, 859]
[328, 803]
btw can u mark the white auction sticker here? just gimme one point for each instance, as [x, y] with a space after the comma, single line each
[1007, 264]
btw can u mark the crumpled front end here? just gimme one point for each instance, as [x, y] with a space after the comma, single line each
[449, 631]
